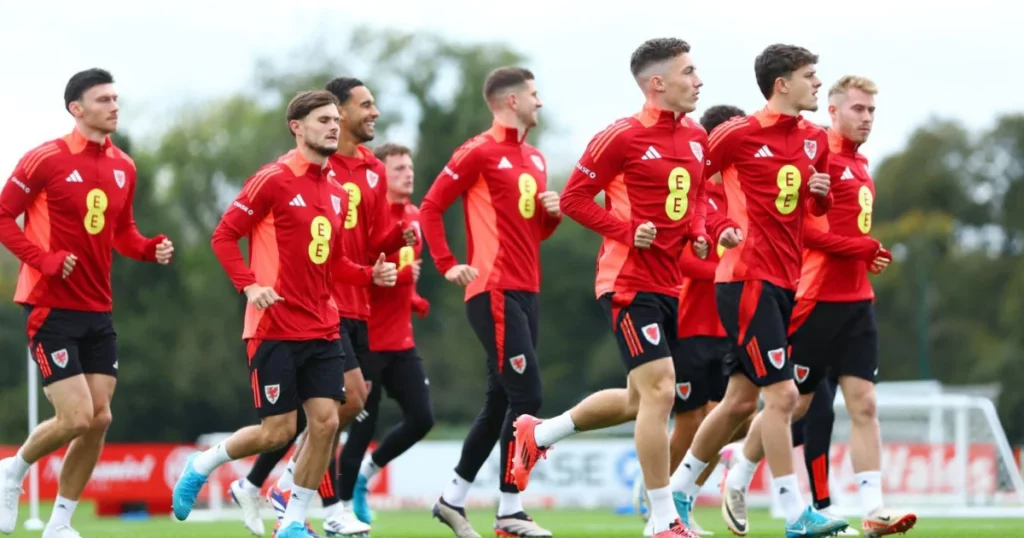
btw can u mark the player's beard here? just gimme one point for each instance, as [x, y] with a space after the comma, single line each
[322, 150]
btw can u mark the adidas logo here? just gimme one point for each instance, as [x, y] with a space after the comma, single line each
[504, 163]
[650, 154]
[847, 174]
[75, 177]
[297, 201]
[764, 152]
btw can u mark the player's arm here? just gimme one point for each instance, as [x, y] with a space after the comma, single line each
[693, 267]
[385, 236]
[420, 306]
[348, 271]
[250, 207]
[718, 219]
[817, 236]
[27, 181]
[816, 204]
[600, 164]
[461, 173]
[128, 241]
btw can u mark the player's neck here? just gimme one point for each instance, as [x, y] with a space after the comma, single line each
[397, 198]
[348, 145]
[508, 119]
[778, 106]
[89, 133]
[312, 156]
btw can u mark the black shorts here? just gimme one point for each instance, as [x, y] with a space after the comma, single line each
[700, 377]
[66, 343]
[355, 340]
[756, 316]
[644, 324]
[400, 373]
[283, 374]
[506, 323]
[842, 337]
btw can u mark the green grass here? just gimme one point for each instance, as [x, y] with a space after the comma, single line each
[562, 523]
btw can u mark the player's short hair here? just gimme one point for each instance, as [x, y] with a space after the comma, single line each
[342, 87]
[849, 82]
[503, 79]
[654, 51]
[384, 151]
[779, 60]
[719, 114]
[82, 81]
[305, 102]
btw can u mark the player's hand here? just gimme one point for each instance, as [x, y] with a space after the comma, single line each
[416, 269]
[385, 273]
[261, 296]
[819, 183]
[409, 234]
[164, 252]
[420, 306]
[881, 261]
[551, 203]
[645, 234]
[700, 247]
[730, 237]
[461, 274]
[69, 265]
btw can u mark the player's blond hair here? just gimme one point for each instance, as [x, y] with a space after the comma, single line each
[848, 82]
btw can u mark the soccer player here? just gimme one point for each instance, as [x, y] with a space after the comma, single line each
[76, 193]
[651, 169]
[700, 383]
[773, 166]
[363, 235]
[509, 211]
[290, 211]
[393, 363]
[834, 325]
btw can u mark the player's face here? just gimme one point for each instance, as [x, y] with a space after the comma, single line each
[400, 174]
[319, 129]
[359, 114]
[98, 108]
[682, 85]
[853, 115]
[526, 104]
[803, 87]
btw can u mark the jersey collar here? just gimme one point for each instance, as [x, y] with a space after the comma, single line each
[502, 133]
[301, 166]
[768, 117]
[77, 143]
[652, 115]
[837, 143]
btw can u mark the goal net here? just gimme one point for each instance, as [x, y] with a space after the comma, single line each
[944, 455]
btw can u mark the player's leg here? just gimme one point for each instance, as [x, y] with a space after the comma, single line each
[405, 381]
[483, 315]
[272, 371]
[245, 492]
[359, 436]
[817, 439]
[53, 337]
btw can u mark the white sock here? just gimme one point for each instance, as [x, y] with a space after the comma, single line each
[684, 480]
[789, 496]
[19, 467]
[554, 430]
[345, 505]
[212, 458]
[287, 479]
[62, 510]
[741, 473]
[298, 505]
[455, 493]
[663, 510]
[509, 504]
[870, 484]
[249, 487]
[369, 469]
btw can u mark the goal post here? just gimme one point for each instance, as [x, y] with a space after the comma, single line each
[944, 455]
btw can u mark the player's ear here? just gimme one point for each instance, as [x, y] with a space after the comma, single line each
[76, 109]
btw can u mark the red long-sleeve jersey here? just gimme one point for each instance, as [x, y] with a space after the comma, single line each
[651, 169]
[839, 247]
[500, 176]
[291, 212]
[765, 161]
[391, 309]
[77, 198]
[368, 230]
[698, 311]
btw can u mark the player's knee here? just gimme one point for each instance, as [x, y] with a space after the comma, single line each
[421, 424]
[101, 420]
[781, 397]
[526, 402]
[802, 406]
[863, 409]
[324, 426]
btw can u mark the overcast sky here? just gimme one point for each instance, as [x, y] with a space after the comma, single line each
[959, 62]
